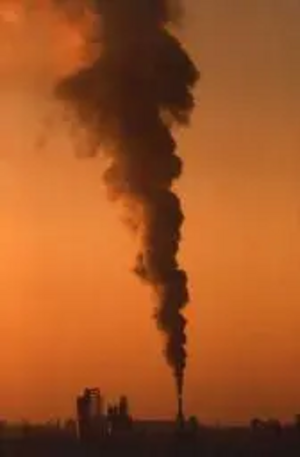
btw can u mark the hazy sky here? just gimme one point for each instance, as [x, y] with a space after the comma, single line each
[72, 314]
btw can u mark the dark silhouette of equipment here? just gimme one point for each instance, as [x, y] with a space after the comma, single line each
[93, 423]
[118, 417]
[89, 414]
[180, 414]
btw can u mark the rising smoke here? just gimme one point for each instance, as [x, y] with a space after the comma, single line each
[129, 99]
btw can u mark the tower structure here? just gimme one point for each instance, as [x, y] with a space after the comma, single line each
[89, 413]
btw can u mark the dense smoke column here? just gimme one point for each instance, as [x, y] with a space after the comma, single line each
[129, 99]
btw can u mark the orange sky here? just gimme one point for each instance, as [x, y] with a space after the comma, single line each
[72, 314]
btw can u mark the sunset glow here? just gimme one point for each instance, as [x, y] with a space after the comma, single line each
[72, 312]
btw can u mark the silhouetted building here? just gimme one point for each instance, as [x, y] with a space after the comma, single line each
[257, 424]
[118, 417]
[90, 414]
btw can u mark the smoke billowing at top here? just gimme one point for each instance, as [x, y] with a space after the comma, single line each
[128, 100]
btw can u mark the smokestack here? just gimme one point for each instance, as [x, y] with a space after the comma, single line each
[180, 413]
[128, 100]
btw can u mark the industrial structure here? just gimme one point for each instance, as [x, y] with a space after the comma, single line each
[90, 415]
[180, 414]
[94, 422]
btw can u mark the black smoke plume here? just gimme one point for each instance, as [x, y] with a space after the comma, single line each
[129, 99]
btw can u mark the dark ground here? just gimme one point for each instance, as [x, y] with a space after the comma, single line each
[207, 442]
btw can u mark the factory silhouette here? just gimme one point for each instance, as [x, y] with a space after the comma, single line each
[109, 429]
[94, 421]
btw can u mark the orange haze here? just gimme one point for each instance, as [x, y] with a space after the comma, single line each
[72, 313]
